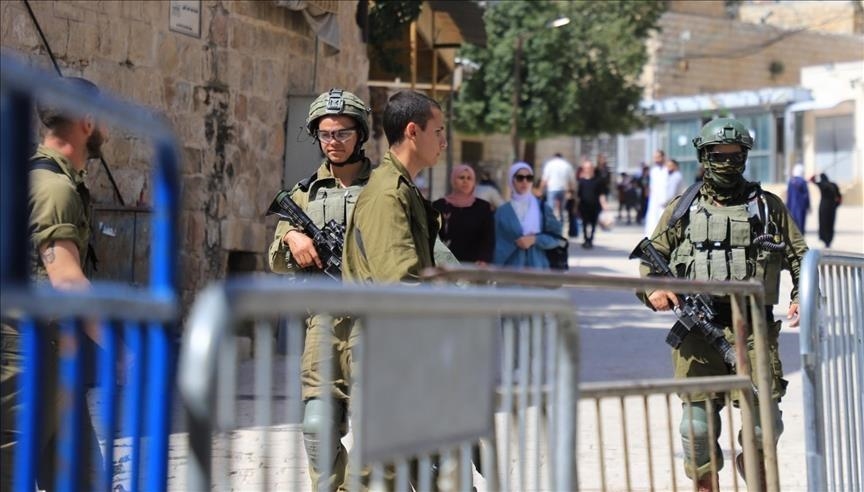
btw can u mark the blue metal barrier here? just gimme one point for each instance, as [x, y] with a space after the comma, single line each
[144, 316]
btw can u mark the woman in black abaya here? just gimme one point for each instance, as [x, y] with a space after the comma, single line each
[828, 204]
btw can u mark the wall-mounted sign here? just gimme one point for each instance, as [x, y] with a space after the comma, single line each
[185, 17]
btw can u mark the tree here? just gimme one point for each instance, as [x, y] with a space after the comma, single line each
[579, 79]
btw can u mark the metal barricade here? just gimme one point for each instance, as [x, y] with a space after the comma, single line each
[439, 373]
[633, 441]
[135, 417]
[832, 354]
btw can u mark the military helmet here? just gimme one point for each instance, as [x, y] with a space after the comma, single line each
[723, 131]
[339, 102]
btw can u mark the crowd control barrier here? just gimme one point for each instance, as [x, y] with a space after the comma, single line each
[134, 323]
[439, 373]
[628, 430]
[832, 354]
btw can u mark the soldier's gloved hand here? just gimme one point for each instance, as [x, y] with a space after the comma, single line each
[793, 315]
[663, 300]
[302, 249]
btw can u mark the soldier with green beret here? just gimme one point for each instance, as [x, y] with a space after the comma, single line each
[338, 121]
[725, 228]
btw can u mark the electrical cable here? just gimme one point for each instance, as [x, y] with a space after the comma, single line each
[60, 73]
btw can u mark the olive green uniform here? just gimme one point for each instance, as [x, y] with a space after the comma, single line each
[716, 242]
[323, 199]
[57, 212]
[393, 233]
[392, 237]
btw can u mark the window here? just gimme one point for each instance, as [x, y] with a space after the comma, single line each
[835, 143]
[679, 146]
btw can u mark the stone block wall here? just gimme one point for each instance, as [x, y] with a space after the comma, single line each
[225, 95]
[698, 54]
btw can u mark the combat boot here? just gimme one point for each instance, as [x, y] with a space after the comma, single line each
[706, 483]
[739, 465]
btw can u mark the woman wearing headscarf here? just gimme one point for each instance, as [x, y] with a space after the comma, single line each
[467, 224]
[522, 224]
[798, 197]
[828, 204]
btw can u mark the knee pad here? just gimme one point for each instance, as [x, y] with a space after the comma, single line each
[777, 414]
[696, 417]
[315, 421]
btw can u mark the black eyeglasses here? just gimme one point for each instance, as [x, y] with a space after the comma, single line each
[339, 135]
[523, 177]
[730, 157]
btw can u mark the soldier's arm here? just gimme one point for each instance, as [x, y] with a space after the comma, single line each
[796, 246]
[280, 256]
[382, 223]
[63, 265]
[664, 239]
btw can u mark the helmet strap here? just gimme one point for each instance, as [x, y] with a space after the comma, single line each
[358, 155]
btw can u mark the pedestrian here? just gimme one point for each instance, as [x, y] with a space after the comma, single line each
[675, 183]
[524, 226]
[798, 196]
[393, 234]
[601, 170]
[467, 225]
[338, 123]
[658, 179]
[592, 201]
[558, 179]
[628, 197]
[486, 189]
[752, 237]
[644, 185]
[59, 228]
[830, 199]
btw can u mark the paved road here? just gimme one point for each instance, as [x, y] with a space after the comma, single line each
[621, 340]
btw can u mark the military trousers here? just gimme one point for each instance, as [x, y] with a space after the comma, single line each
[328, 348]
[11, 360]
[696, 358]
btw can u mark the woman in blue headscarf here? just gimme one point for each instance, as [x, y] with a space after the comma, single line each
[521, 224]
[798, 197]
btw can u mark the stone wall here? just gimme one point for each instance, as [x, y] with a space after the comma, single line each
[224, 93]
[697, 54]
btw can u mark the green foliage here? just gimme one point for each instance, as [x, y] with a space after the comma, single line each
[387, 22]
[579, 79]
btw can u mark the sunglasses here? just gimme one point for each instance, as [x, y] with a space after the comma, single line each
[523, 177]
[730, 157]
[339, 135]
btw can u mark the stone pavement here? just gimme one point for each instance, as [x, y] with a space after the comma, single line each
[621, 340]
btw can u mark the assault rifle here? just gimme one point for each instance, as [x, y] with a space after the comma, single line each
[694, 311]
[327, 240]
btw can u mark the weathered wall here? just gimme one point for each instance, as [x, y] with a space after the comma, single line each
[224, 93]
[697, 54]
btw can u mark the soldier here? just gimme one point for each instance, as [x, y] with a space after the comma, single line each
[392, 235]
[338, 121]
[729, 228]
[60, 234]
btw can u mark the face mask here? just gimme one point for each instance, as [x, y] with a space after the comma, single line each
[724, 175]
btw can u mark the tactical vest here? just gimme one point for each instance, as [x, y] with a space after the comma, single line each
[334, 203]
[719, 245]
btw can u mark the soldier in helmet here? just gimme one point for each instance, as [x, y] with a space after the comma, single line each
[724, 228]
[338, 121]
